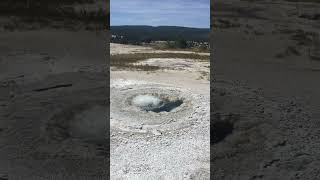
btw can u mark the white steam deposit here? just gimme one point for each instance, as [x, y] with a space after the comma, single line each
[146, 101]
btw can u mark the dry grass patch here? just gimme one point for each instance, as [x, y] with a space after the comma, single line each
[133, 58]
[137, 67]
[165, 47]
[127, 61]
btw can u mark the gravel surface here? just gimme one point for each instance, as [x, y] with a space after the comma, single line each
[53, 105]
[160, 145]
[265, 90]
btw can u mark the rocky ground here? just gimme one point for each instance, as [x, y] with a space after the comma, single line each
[53, 83]
[265, 103]
[167, 145]
[53, 75]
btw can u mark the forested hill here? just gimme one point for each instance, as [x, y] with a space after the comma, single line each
[160, 33]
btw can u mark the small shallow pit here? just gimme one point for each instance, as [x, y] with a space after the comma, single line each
[86, 122]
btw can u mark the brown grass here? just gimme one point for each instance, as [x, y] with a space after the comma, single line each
[133, 58]
[167, 48]
[127, 61]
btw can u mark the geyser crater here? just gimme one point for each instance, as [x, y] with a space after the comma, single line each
[144, 108]
[155, 103]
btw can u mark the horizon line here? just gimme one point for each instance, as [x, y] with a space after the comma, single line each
[163, 26]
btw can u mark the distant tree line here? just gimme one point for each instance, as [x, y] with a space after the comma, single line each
[161, 33]
[167, 36]
[176, 43]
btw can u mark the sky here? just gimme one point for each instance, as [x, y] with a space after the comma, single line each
[187, 13]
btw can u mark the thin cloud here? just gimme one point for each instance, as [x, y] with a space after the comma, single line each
[165, 12]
